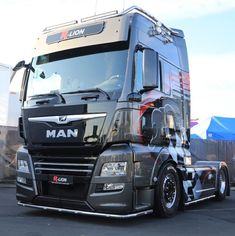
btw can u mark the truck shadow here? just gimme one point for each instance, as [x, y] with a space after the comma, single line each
[93, 219]
[208, 205]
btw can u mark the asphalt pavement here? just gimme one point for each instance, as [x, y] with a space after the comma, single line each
[205, 218]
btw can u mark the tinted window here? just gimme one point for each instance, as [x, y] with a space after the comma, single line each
[166, 84]
[73, 70]
[138, 71]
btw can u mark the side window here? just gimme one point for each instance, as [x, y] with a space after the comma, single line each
[160, 73]
[170, 121]
[166, 84]
[146, 125]
[138, 71]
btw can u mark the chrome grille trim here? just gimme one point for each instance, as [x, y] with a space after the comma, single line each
[71, 166]
[62, 170]
[61, 164]
[65, 119]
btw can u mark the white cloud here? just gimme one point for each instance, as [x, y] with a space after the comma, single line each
[174, 9]
[170, 9]
[22, 21]
[30, 18]
[212, 85]
[212, 75]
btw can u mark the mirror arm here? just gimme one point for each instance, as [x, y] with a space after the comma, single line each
[30, 67]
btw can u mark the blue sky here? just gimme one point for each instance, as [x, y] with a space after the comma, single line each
[208, 26]
[211, 48]
[213, 33]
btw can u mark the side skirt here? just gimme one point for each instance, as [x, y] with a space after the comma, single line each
[199, 200]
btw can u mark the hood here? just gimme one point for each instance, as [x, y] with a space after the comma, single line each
[67, 126]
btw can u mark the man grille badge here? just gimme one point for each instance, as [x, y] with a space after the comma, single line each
[62, 119]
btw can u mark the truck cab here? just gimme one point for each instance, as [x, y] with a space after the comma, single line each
[105, 121]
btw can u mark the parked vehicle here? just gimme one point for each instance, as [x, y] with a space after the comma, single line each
[105, 121]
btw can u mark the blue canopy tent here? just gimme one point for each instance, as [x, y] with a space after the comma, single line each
[215, 128]
[221, 128]
[214, 139]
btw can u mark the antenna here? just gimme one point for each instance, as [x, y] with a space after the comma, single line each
[123, 3]
[96, 3]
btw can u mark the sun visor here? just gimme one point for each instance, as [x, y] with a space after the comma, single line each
[81, 35]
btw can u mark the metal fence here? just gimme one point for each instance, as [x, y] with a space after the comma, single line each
[213, 150]
[9, 143]
[210, 150]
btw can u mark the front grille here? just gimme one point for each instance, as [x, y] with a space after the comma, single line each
[68, 166]
[78, 169]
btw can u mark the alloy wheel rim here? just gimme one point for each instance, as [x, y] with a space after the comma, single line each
[222, 182]
[169, 190]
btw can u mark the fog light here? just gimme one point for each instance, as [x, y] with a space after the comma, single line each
[113, 186]
[21, 180]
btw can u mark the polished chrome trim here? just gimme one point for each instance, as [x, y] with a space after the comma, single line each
[33, 175]
[61, 164]
[204, 190]
[64, 170]
[25, 187]
[204, 168]
[66, 118]
[88, 213]
[199, 200]
[53, 27]
[99, 16]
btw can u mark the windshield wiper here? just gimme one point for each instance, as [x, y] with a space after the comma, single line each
[90, 91]
[54, 94]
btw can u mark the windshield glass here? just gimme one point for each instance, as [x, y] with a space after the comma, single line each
[73, 70]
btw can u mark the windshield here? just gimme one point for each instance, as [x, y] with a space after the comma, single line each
[78, 69]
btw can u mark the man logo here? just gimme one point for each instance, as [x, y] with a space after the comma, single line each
[62, 119]
[69, 133]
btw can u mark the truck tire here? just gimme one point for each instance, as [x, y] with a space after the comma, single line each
[222, 185]
[167, 192]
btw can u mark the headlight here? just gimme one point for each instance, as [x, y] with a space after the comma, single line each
[22, 166]
[113, 186]
[114, 169]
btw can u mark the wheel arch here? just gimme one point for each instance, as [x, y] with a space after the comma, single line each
[161, 161]
[159, 207]
[166, 159]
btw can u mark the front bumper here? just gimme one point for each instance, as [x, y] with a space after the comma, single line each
[116, 204]
[118, 216]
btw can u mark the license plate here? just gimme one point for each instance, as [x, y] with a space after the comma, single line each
[61, 179]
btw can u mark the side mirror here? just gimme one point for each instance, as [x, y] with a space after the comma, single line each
[150, 69]
[22, 88]
[19, 65]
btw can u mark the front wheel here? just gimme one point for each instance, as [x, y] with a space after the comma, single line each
[167, 192]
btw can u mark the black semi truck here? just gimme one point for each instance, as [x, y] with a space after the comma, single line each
[105, 121]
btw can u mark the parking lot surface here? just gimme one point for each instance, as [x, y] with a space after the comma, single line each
[205, 218]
